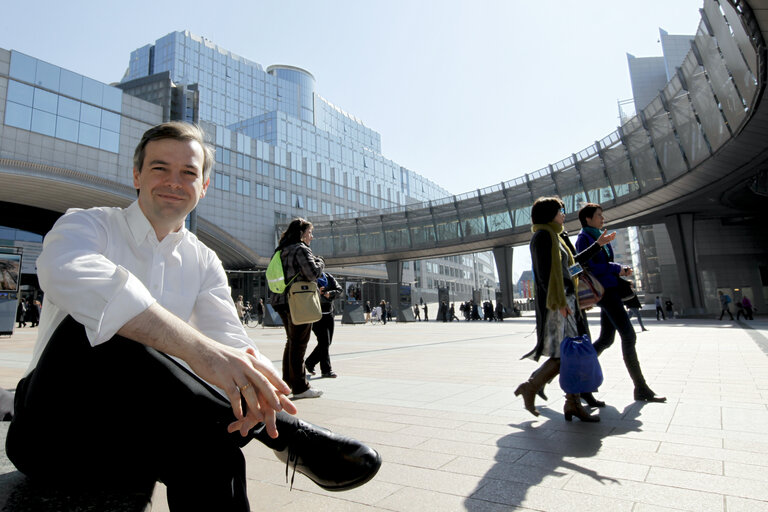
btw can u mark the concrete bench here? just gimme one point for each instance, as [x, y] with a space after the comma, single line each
[19, 494]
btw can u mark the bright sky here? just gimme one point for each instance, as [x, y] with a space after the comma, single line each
[468, 93]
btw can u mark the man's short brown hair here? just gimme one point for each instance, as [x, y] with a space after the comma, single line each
[176, 130]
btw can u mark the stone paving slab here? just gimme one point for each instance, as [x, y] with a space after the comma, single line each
[437, 401]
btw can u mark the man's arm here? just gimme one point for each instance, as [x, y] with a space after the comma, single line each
[238, 373]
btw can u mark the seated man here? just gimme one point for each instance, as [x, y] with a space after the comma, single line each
[142, 369]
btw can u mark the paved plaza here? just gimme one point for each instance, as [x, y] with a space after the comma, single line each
[436, 399]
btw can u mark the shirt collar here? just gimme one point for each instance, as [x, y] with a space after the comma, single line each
[142, 230]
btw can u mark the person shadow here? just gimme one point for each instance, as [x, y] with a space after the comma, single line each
[538, 455]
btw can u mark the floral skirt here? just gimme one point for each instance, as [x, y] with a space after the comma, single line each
[556, 328]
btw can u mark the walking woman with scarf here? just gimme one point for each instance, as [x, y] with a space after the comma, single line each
[613, 316]
[557, 311]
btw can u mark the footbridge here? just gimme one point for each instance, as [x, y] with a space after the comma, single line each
[690, 153]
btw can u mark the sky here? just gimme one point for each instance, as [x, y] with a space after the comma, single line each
[467, 93]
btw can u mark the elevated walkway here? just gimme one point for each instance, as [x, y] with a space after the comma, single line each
[703, 135]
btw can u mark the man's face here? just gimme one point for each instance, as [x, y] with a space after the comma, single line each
[597, 220]
[170, 182]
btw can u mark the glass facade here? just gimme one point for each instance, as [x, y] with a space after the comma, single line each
[280, 107]
[47, 99]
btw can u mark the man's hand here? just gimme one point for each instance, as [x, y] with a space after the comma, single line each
[565, 311]
[240, 373]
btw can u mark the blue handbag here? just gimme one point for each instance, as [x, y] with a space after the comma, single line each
[580, 370]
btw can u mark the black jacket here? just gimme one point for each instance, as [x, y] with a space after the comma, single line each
[333, 289]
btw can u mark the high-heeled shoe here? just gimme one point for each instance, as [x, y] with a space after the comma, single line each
[646, 394]
[573, 408]
[536, 382]
[529, 397]
[591, 400]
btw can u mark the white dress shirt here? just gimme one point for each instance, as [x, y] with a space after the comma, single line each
[104, 266]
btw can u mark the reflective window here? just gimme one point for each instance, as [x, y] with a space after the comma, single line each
[47, 75]
[45, 101]
[92, 91]
[17, 115]
[109, 141]
[112, 98]
[40, 110]
[43, 122]
[110, 121]
[67, 129]
[71, 84]
[69, 108]
[20, 93]
[90, 114]
[23, 67]
[89, 135]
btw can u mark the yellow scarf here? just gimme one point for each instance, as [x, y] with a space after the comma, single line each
[555, 288]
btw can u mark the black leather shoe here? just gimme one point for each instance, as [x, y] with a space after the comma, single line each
[332, 461]
[647, 395]
[591, 400]
[329, 375]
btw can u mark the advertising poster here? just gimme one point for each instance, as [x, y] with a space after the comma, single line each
[10, 272]
[354, 292]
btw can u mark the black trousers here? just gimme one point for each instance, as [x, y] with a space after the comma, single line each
[323, 330]
[613, 318]
[119, 413]
[297, 339]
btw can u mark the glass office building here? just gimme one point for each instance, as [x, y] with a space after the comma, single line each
[283, 150]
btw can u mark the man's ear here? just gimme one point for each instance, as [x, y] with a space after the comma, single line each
[205, 187]
[136, 173]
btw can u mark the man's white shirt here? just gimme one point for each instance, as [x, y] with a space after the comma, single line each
[104, 266]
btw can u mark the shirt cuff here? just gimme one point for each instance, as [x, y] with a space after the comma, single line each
[131, 299]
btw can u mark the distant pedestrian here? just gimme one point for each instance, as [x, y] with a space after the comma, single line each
[367, 311]
[452, 313]
[670, 312]
[500, 309]
[383, 308]
[21, 313]
[633, 307]
[260, 312]
[748, 312]
[426, 312]
[329, 288]
[416, 312]
[659, 309]
[240, 307]
[725, 304]
[33, 313]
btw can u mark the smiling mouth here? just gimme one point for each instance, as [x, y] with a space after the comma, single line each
[171, 197]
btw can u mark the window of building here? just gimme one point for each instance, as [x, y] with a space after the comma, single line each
[281, 197]
[262, 192]
[326, 206]
[221, 181]
[297, 201]
[243, 187]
